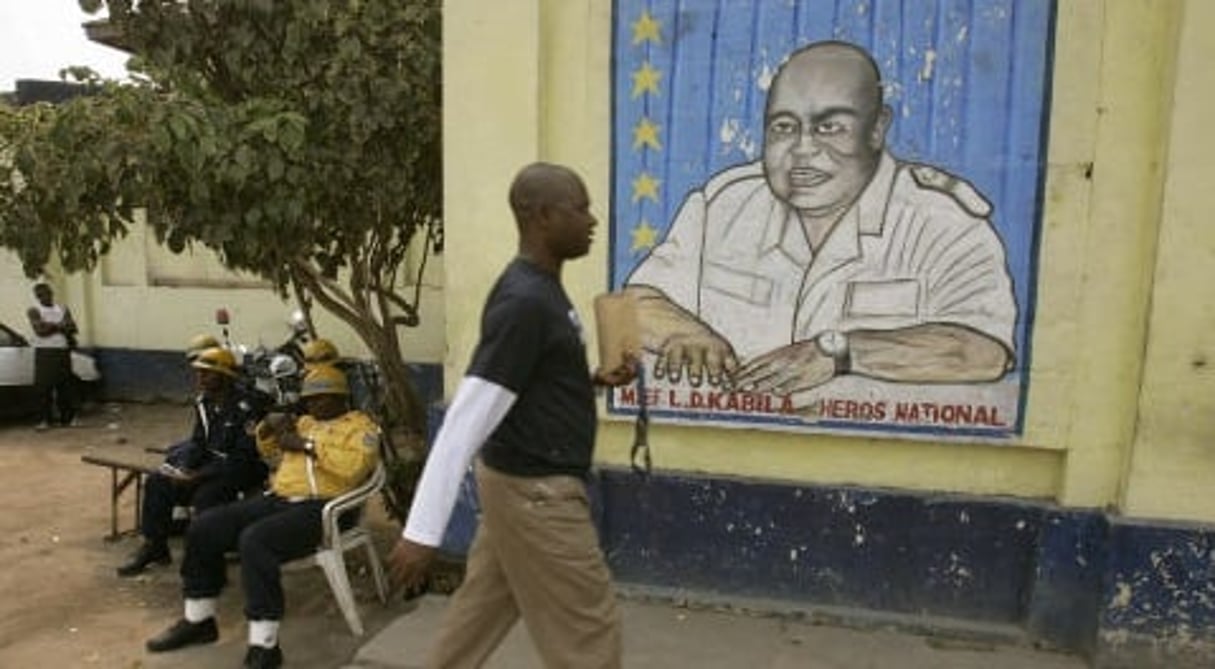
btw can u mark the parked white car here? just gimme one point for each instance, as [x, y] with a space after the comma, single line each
[17, 392]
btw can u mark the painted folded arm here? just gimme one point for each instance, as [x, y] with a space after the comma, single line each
[962, 332]
[683, 343]
[665, 286]
[968, 316]
[929, 353]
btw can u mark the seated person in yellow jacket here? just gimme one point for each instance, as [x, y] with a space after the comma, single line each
[323, 454]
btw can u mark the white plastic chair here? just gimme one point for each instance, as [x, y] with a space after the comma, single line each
[334, 543]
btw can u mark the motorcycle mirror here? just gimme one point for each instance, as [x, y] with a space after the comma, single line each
[297, 321]
[221, 316]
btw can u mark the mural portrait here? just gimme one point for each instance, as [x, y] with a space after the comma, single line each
[828, 210]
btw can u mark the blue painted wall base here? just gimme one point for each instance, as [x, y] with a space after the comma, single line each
[1125, 593]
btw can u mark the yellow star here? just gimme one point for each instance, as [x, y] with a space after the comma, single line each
[646, 134]
[646, 28]
[644, 236]
[645, 80]
[645, 186]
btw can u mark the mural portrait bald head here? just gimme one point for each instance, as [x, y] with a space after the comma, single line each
[824, 128]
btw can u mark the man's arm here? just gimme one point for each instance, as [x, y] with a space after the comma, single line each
[39, 326]
[933, 352]
[929, 353]
[235, 448]
[348, 453]
[475, 412]
[68, 327]
[269, 431]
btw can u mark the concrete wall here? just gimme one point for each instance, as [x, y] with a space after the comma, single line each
[144, 299]
[1110, 118]
[1172, 462]
[1098, 517]
[1119, 418]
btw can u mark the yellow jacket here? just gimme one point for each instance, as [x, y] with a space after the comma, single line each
[346, 450]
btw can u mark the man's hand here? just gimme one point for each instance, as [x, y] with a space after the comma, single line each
[176, 475]
[292, 441]
[408, 564]
[787, 370]
[621, 375]
[701, 354]
[275, 423]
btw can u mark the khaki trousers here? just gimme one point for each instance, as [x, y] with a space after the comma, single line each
[536, 554]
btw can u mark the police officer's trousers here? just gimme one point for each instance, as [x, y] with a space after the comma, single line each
[267, 531]
[161, 494]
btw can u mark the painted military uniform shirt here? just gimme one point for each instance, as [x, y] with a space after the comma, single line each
[915, 248]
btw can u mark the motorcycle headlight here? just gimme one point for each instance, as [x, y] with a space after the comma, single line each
[283, 366]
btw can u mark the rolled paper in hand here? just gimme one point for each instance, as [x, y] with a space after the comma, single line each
[616, 327]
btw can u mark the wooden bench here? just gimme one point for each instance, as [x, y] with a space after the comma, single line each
[126, 469]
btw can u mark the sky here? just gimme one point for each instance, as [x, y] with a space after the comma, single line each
[39, 37]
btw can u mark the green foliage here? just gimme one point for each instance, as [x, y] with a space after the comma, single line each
[299, 140]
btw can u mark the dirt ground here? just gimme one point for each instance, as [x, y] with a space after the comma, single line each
[61, 603]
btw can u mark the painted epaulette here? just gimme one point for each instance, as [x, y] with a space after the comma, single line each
[724, 179]
[932, 178]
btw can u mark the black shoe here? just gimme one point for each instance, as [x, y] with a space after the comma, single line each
[184, 633]
[260, 657]
[150, 552]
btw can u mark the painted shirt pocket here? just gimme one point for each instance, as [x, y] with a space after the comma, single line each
[744, 286]
[876, 299]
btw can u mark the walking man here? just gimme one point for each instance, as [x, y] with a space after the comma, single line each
[527, 403]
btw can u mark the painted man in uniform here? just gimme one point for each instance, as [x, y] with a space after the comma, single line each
[828, 256]
[527, 404]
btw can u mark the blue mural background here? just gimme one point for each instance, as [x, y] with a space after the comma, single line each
[968, 81]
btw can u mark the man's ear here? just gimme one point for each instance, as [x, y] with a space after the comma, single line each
[544, 216]
[877, 137]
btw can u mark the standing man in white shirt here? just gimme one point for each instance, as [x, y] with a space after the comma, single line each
[54, 337]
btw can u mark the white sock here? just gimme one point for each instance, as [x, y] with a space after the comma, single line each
[263, 633]
[198, 610]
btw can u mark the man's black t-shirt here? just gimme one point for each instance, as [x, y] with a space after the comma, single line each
[531, 344]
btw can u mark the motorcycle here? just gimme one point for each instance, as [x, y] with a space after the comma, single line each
[270, 376]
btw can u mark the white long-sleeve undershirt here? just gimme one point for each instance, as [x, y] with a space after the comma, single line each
[475, 412]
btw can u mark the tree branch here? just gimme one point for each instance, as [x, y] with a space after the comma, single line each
[335, 299]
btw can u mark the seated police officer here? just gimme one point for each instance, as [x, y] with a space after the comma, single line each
[212, 467]
[323, 454]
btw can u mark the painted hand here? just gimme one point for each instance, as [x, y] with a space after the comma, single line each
[787, 370]
[699, 355]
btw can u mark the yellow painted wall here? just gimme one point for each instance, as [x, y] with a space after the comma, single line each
[1171, 470]
[533, 78]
